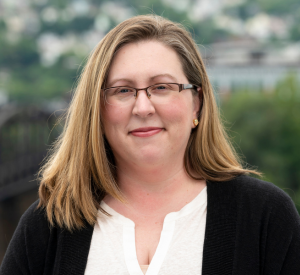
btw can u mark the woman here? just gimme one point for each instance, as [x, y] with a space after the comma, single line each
[144, 177]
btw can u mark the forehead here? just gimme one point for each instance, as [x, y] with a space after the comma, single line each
[141, 61]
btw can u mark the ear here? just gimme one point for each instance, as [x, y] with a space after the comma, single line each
[197, 104]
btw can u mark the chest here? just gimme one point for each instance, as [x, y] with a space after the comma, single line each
[224, 250]
[147, 238]
[120, 248]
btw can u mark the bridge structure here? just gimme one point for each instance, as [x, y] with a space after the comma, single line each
[25, 138]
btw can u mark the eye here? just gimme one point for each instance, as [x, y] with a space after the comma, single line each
[161, 87]
[123, 91]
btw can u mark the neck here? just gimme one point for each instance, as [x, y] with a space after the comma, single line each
[155, 190]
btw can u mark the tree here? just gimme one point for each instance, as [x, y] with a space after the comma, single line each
[265, 128]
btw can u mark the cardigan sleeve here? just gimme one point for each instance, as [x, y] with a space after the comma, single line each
[267, 230]
[282, 255]
[27, 249]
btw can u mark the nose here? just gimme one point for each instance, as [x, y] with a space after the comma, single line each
[143, 106]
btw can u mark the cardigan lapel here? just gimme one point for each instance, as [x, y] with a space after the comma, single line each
[219, 242]
[220, 232]
[75, 248]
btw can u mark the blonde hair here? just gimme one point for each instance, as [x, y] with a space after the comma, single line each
[80, 170]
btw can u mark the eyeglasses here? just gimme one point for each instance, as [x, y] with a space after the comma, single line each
[162, 93]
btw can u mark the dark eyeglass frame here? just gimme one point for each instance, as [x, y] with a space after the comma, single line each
[180, 86]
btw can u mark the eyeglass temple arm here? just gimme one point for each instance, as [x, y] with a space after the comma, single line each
[187, 86]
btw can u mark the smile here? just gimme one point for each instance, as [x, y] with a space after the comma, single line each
[146, 131]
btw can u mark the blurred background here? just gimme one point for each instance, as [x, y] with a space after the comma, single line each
[251, 49]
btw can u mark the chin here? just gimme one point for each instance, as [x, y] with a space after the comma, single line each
[151, 156]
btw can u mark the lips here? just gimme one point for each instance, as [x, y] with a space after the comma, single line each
[146, 131]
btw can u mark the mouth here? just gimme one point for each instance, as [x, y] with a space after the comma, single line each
[146, 131]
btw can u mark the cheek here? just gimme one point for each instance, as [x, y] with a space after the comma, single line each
[114, 122]
[179, 113]
[112, 117]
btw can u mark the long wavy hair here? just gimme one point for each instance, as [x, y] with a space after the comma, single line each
[80, 169]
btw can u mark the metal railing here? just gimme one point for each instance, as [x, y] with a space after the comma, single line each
[25, 137]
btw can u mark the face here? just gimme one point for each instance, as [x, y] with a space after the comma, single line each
[146, 133]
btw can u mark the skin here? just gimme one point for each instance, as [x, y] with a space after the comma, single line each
[150, 164]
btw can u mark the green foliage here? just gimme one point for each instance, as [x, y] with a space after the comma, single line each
[36, 83]
[20, 55]
[30, 82]
[265, 128]
[249, 8]
[244, 10]
[77, 25]
[295, 29]
[279, 7]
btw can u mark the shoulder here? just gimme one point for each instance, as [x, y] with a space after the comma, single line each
[258, 216]
[246, 186]
[266, 199]
[34, 224]
[253, 189]
[251, 195]
[34, 216]
[267, 216]
[28, 246]
[33, 227]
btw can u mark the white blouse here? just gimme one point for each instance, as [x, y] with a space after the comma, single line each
[179, 251]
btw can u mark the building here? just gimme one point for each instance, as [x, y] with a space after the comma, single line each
[248, 64]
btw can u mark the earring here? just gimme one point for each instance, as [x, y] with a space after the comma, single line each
[195, 121]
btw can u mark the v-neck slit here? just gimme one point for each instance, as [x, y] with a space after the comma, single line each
[118, 232]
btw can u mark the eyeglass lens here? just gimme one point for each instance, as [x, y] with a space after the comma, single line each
[160, 94]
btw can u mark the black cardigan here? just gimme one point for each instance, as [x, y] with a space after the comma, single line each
[252, 228]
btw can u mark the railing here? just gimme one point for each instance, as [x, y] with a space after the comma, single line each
[25, 137]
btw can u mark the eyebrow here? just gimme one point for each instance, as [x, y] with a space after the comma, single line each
[120, 79]
[163, 75]
[152, 78]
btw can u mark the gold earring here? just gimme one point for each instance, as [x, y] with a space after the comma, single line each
[195, 121]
